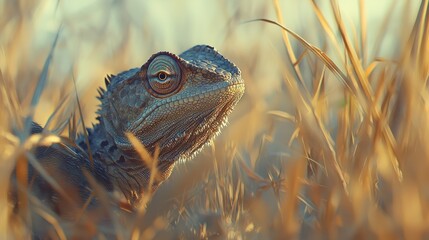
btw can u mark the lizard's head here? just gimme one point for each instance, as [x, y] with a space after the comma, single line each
[176, 102]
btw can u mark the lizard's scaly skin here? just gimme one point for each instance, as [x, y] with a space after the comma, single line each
[178, 103]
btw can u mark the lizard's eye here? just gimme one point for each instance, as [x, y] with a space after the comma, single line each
[163, 75]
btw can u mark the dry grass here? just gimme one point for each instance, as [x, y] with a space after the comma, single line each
[330, 140]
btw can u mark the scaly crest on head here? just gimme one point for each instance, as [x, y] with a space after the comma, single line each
[101, 90]
[108, 78]
[177, 102]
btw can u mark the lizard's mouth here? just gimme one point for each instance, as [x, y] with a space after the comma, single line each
[236, 89]
[192, 124]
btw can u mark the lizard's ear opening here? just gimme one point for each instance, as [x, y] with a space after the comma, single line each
[163, 75]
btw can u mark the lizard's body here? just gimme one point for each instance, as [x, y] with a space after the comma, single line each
[176, 103]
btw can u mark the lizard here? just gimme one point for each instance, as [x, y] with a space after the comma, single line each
[177, 103]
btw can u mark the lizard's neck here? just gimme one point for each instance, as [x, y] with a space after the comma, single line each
[128, 172]
[101, 146]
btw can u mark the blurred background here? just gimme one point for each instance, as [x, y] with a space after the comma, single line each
[99, 37]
